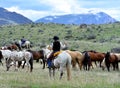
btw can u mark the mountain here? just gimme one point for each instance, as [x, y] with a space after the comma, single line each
[89, 18]
[7, 17]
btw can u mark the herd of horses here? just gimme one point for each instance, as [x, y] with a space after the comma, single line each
[15, 54]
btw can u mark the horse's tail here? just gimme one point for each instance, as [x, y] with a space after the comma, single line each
[107, 61]
[107, 56]
[86, 58]
[31, 63]
[1, 56]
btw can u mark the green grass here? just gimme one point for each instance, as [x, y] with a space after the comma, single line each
[104, 38]
[98, 37]
[39, 78]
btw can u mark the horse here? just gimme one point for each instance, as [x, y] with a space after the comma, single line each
[12, 47]
[20, 56]
[95, 56]
[60, 61]
[38, 55]
[111, 58]
[86, 61]
[25, 45]
[4, 54]
[77, 57]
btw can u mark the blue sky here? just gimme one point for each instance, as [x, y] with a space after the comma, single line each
[35, 9]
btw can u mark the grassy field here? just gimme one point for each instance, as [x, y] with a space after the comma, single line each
[94, 37]
[39, 78]
[98, 37]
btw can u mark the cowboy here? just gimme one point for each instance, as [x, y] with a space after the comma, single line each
[23, 40]
[55, 47]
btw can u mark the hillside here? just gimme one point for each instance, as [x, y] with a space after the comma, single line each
[7, 17]
[89, 18]
[93, 37]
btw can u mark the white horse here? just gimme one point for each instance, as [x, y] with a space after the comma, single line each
[63, 60]
[20, 56]
[26, 44]
[4, 55]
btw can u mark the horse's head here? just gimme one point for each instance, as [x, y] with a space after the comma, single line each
[46, 51]
[49, 47]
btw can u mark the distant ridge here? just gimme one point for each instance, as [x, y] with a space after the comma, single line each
[89, 18]
[7, 17]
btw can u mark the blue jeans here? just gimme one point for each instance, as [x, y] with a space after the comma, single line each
[49, 62]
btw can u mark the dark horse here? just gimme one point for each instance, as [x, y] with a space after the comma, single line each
[86, 61]
[37, 55]
[111, 59]
[94, 57]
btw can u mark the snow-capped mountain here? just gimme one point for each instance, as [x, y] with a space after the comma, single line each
[88, 18]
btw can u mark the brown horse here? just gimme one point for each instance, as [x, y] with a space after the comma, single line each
[77, 57]
[111, 58]
[9, 47]
[95, 56]
[37, 55]
[12, 47]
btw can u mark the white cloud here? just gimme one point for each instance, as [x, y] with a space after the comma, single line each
[114, 12]
[61, 7]
[31, 14]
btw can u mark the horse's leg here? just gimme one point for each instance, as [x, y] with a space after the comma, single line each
[95, 63]
[16, 67]
[108, 66]
[113, 66]
[74, 64]
[28, 64]
[37, 60]
[79, 63]
[24, 64]
[43, 63]
[31, 64]
[50, 72]
[54, 73]
[84, 66]
[116, 65]
[1, 62]
[100, 63]
[19, 63]
[89, 64]
[61, 74]
[68, 72]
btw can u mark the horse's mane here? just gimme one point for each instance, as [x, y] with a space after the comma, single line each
[89, 51]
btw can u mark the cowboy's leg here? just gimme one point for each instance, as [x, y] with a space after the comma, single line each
[49, 60]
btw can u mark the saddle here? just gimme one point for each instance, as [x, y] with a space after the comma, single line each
[57, 53]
